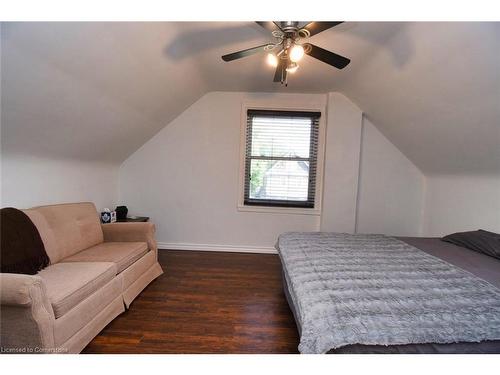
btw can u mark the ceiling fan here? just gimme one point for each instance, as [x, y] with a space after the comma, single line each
[285, 53]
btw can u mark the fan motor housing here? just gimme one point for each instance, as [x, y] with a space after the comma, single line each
[289, 26]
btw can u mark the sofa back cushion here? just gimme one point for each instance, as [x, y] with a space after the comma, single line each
[67, 229]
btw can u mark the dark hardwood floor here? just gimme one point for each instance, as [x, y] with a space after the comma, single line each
[206, 302]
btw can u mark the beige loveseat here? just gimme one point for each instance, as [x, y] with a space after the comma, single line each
[96, 271]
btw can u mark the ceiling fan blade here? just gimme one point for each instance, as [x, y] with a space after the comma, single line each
[268, 25]
[314, 28]
[339, 62]
[280, 74]
[244, 53]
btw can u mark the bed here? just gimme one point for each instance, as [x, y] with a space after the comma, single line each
[458, 312]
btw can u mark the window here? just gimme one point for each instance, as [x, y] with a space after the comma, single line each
[281, 158]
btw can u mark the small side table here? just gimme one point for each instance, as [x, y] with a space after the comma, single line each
[134, 219]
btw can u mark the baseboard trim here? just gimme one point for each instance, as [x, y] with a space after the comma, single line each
[211, 247]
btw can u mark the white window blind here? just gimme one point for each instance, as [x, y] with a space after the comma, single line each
[280, 158]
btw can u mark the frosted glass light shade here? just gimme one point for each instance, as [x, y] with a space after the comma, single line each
[272, 60]
[296, 52]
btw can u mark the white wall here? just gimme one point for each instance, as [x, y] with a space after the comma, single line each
[28, 181]
[343, 137]
[390, 196]
[461, 203]
[186, 177]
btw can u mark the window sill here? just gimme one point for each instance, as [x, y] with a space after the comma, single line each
[279, 210]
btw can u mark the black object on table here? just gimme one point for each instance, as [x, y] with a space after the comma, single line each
[134, 219]
[121, 212]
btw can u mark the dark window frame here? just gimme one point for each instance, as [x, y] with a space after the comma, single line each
[312, 159]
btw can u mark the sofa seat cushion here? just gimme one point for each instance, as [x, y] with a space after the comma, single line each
[123, 254]
[68, 284]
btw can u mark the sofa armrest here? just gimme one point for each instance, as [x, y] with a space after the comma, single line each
[128, 232]
[26, 315]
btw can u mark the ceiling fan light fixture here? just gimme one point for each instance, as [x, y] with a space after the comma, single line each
[272, 60]
[296, 53]
[289, 48]
[292, 67]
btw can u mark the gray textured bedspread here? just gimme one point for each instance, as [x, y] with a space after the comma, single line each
[377, 290]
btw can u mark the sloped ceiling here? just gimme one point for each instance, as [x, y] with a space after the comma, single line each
[98, 91]
[437, 97]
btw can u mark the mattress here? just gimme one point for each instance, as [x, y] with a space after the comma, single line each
[480, 265]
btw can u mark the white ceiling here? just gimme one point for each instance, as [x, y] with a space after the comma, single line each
[98, 91]
[437, 97]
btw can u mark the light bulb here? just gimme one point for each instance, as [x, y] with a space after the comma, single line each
[292, 67]
[272, 60]
[296, 53]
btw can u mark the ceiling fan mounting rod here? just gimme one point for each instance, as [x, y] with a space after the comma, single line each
[290, 26]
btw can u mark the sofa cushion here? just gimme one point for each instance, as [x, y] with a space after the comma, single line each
[77, 319]
[123, 254]
[48, 238]
[67, 229]
[68, 284]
